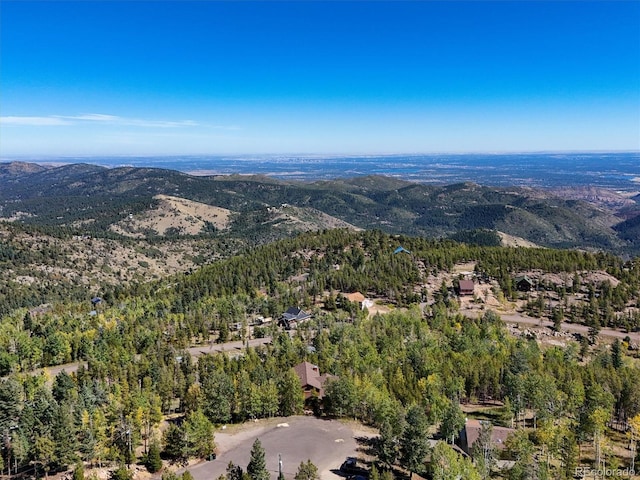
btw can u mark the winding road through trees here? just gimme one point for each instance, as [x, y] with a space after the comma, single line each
[237, 346]
[195, 352]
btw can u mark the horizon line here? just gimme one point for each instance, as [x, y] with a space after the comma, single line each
[22, 156]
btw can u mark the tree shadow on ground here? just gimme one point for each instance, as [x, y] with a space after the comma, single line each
[367, 445]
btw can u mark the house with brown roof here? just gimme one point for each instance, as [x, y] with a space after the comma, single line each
[471, 431]
[466, 287]
[312, 381]
[355, 297]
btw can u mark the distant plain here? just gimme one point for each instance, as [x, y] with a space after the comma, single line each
[618, 171]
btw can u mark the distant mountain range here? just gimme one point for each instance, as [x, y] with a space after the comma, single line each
[126, 201]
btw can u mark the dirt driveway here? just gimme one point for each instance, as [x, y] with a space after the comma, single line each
[568, 327]
[325, 442]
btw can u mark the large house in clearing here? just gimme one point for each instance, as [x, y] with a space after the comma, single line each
[312, 381]
[292, 317]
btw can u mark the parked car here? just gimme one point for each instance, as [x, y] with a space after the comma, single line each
[353, 470]
[349, 465]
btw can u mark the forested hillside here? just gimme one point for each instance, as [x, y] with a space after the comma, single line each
[423, 359]
[630, 230]
[41, 265]
[89, 199]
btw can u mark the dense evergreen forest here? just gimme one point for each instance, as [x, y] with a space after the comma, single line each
[89, 199]
[409, 369]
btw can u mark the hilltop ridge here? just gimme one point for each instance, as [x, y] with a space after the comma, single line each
[93, 200]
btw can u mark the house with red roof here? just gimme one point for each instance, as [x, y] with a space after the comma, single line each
[360, 299]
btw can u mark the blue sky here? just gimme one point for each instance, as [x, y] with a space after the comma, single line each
[169, 77]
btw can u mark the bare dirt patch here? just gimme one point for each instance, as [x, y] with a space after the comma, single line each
[464, 268]
[173, 215]
[566, 279]
[513, 241]
[378, 309]
[306, 219]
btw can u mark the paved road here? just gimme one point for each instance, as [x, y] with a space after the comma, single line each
[230, 347]
[325, 442]
[566, 327]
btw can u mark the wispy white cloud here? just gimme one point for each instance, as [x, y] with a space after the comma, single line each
[130, 122]
[97, 117]
[34, 121]
[61, 120]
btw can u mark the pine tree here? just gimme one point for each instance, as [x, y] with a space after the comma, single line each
[569, 455]
[616, 354]
[223, 335]
[413, 443]
[257, 467]
[558, 316]
[121, 473]
[234, 472]
[387, 445]
[63, 385]
[43, 451]
[174, 441]
[307, 471]
[153, 461]
[63, 433]
[594, 331]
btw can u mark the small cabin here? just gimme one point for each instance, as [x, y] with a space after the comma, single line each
[523, 283]
[466, 287]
